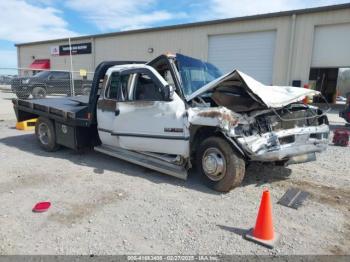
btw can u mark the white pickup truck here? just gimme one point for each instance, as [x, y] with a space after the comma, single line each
[176, 112]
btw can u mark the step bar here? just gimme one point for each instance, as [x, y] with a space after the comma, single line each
[145, 160]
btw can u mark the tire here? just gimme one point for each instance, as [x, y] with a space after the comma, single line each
[224, 170]
[46, 135]
[22, 95]
[39, 92]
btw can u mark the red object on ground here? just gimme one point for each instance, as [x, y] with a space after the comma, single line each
[341, 137]
[40, 64]
[41, 207]
[263, 233]
[264, 227]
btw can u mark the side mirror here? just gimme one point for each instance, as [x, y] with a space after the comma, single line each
[50, 77]
[169, 91]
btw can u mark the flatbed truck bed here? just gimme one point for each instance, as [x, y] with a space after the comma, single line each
[71, 110]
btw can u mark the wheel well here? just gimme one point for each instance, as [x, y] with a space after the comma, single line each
[199, 133]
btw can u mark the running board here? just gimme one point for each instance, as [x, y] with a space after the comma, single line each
[146, 161]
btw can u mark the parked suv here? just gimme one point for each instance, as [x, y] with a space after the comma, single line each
[48, 82]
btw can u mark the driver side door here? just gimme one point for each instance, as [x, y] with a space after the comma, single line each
[144, 121]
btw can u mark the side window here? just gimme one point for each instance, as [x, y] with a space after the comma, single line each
[65, 75]
[118, 86]
[169, 78]
[146, 89]
[102, 84]
[60, 75]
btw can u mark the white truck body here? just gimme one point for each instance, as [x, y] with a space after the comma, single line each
[177, 111]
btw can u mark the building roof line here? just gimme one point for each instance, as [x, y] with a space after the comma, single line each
[203, 23]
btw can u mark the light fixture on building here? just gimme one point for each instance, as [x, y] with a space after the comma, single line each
[33, 56]
[150, 50]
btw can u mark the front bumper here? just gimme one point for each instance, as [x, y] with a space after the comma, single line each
[285, 144]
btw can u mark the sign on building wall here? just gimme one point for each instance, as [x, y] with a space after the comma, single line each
[55, 50]
[77, 49]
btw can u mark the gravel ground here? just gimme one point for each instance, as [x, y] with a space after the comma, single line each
[102, 205]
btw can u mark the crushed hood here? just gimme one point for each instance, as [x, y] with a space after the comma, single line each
[244, 85]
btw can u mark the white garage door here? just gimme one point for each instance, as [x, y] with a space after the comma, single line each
[331, 46]
[251, 53]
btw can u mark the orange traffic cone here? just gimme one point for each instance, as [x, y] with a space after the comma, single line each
[263, 232]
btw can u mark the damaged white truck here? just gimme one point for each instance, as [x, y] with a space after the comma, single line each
[177, 112]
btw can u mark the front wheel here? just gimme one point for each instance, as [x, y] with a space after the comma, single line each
[221, 168]
[46, 135]
[39, 92]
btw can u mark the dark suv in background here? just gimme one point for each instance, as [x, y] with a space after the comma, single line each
[48, 82]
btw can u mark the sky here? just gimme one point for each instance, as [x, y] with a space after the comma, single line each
[33, 20]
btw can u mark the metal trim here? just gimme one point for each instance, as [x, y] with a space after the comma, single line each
[152, 136]
[145, 136]
[146, 161]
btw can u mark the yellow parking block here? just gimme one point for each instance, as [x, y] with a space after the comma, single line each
[26, 125]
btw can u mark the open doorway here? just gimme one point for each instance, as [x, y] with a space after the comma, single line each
[325, 81]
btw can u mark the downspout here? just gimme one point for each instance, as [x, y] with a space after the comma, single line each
[291, 46]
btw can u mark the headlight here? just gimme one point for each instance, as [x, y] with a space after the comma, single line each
[25, 81]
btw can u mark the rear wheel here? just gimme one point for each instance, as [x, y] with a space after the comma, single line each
[221, 168]
[39, 92]
[45, 133]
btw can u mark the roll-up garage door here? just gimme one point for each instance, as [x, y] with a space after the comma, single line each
[331, 46]
[251, 53]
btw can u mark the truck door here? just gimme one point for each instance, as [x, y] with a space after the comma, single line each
[143, 120]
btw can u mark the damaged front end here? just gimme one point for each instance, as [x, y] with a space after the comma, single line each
[265, 123]
[291, 135]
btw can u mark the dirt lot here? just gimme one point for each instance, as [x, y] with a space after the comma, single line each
[101, 205]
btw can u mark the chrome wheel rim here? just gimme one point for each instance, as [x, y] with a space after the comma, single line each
[214, 164]
[43, 132]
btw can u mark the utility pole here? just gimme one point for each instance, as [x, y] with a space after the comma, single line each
[71, 68]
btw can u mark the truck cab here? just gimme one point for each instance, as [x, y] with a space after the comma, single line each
[138, 110]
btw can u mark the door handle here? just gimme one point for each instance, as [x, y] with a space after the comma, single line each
[117, 112]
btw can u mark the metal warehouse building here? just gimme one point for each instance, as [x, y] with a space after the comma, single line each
[309, 46]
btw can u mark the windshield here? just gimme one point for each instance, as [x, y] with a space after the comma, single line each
[42, 74]
[195, 73]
